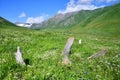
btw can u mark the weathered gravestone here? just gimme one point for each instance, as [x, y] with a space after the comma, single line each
[18, 57]
[98, 54]
[66, 51]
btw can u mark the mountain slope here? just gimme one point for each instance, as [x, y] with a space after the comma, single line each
[42, 49]
[63, 20]
[108, 16]
[5, 23]
[107, 22]
[86, 18]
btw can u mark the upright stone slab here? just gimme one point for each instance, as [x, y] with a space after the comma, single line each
[66, 50]
[18, 57]
[98, 54]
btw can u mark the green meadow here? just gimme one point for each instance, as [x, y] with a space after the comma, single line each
[42, 49]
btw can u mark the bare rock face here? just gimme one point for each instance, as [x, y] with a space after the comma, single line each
[18, 57]
[66, 51]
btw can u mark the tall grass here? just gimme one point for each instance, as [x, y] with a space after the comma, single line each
[43, 51]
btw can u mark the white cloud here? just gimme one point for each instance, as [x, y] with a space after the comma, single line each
[84, 2]
[76, 5]
[22, 15]
[107, 0]
[35, 19]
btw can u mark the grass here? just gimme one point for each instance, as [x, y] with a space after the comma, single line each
[103, 20]
[43, 50]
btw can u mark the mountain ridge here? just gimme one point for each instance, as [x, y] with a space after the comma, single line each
[4, 23]
[72, 19]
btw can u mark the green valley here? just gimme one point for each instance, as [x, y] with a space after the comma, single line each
[42, 48]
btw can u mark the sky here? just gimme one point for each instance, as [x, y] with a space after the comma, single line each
[36, 11]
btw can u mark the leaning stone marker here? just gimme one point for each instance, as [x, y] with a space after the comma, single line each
[66, 51]
[98, 54]
[18, 57]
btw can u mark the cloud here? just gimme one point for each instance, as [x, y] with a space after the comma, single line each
[77, 5]
[107, 1]
[38, 19]
[22, 15]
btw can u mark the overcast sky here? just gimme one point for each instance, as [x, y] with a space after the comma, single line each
[36, 11]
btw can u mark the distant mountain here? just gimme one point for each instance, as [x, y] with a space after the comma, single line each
[63, 20]
[6, 23]
[101, 17]
[23, 24]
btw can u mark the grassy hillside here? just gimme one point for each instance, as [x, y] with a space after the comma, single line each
[106, 20]
[5, 23]
[43, 51]
[63, 21]
[109, 18]
[86, 18]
